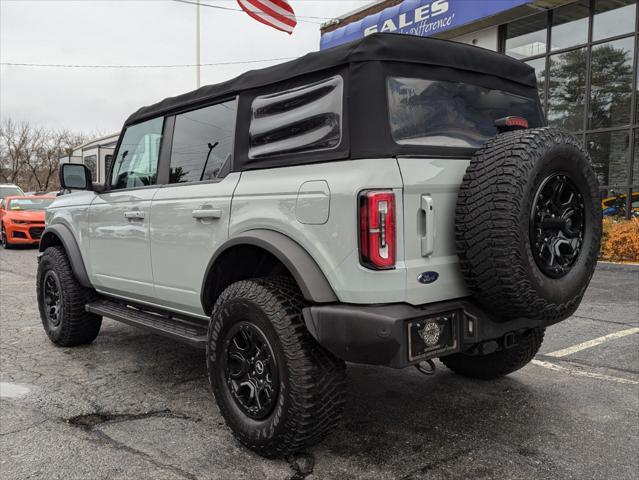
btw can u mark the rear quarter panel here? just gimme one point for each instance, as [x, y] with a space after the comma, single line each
[268, 199]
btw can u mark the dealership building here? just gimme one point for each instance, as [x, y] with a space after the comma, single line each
[584, 53]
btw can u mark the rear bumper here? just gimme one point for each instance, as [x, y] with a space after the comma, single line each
[378, 335]
[24, 234]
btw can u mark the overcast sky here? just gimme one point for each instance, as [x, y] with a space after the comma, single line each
[130, 32]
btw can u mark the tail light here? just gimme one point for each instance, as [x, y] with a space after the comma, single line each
[377, 238]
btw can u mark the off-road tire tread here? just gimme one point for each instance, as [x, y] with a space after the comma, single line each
[500, 363]
[317, 378]
[78, 326]
[487, 230]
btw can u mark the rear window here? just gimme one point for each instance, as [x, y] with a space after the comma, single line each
[304, 119]
[451, 114]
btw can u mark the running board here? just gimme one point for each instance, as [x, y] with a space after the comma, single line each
[183, 330]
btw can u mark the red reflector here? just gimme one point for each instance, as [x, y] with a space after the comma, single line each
[377, 240]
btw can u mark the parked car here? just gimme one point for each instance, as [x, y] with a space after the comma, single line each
[22, 219]
[388, 202]
[7, 189]
[615, 205]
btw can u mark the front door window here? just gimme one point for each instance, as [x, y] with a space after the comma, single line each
[136, 164]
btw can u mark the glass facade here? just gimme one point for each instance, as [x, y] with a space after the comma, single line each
[585, 56]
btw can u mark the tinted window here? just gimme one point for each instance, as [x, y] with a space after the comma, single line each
[202, 142]
[539, 65]
[449, 114]
[303, 119]
[137, 162]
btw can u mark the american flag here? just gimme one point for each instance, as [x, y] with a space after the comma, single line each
[274, 13]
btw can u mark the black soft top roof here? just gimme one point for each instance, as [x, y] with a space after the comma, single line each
[376, 47]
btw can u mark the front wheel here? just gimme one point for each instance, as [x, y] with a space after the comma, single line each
[62, 301]
[278, 390]
[500, 363]
[4, 240]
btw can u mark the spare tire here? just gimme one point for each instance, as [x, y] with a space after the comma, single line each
[528, 224]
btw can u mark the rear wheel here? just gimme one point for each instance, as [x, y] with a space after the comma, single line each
[278, 390]
[62, 300]
[500, 363]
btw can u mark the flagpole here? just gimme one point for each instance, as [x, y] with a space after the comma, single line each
[197, 43]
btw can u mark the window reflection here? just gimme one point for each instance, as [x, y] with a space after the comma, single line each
[527, 37]
[610, 153]
[611, 83]
[567, 90]
[613, 17]
[570, 25]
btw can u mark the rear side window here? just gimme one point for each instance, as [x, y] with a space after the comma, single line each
[137, 162]
[451, 114]
[303, 119]
[202, 143]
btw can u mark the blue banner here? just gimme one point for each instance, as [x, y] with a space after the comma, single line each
[419, 17]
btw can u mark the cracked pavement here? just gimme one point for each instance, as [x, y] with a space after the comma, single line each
[136, 405]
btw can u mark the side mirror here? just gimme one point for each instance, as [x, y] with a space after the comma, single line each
[75, 176]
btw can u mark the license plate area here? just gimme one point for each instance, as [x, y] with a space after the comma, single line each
[433, 336]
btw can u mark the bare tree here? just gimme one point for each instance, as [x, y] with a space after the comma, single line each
[30, 156]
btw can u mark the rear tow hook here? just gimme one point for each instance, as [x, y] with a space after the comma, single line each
[427, 367]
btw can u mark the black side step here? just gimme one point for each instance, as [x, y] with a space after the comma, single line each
[168, 326]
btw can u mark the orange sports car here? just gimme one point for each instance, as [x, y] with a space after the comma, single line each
[22, 219]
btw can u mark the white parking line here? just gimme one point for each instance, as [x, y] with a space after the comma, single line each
[582, 373]
[592, 343]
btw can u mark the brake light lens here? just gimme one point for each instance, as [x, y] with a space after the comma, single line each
[377, 229]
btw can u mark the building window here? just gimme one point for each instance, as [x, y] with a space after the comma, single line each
[611, 83]
[570, 25]
[527, 37]
[91, 163]
[567, 89]
[613, 18]
[588, 79]
[610, 152]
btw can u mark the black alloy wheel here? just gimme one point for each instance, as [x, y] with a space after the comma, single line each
[52, 299]
[250, 370]
[557, 225]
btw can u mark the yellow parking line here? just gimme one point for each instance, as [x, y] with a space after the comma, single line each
[583, 373]
[592, 343]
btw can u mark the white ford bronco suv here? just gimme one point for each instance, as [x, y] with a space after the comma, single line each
[388, 201]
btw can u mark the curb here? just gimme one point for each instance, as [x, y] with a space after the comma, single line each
[616, 267]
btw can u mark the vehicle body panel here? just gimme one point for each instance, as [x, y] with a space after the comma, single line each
[119, 247]
[181, 245]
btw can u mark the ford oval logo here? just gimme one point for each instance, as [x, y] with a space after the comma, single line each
[427, 277]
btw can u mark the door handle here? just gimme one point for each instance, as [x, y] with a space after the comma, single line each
[134, 214]
[201, 213]
[428, 211]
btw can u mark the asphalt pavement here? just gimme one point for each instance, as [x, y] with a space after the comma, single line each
[133, 405]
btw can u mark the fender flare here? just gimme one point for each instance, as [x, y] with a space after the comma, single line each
[308, 275]
[65, 237]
